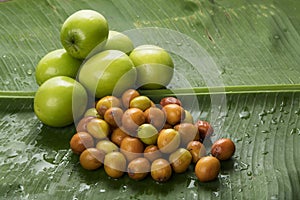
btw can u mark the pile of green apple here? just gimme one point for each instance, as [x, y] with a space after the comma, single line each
[94, 62]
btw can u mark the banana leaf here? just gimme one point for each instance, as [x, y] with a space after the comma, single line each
[246, 84]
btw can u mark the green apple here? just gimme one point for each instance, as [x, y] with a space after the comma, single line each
[109, 72]
[82, 32]
[147, 134]
[154, 65]
[56, 99]
[118, 41]
[56, 63]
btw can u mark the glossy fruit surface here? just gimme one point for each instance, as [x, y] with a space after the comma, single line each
[118, 135]
[169, 100]
[127, 96]
[91, 158]
[197, 150]
[188, 117]
[161, 170]
[147, 133]
[174, 113]
[82, 32]
[205, 129]
[115, 164]
[188, 132]
[156, 117]
[154, 65]
[81, 125]
[81, 141]
[140, 102]
[103, 104]
[98, 128]
[113, 116]
[118, 41]
[152, 153]
[223, 149]
[132, 119]
[91, 112]
[109, 72]
[207, 168]
[107, 146]
[56, 63]
[131, 148]
[138, 168]
[168, 140]
[55, 99]
[180, 160]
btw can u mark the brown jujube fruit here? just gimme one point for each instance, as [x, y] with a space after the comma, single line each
[223, 149]
[152, 153]
[81, 126]
[188, 132]
[156, 117]
[140, 102]
[117, 136]
[205, 129]
[138, 168]
[115, 164]
[180, 160]
[168, 140]
[132, 119]
[197, 150]
[127, 96]
[161, 170]
[91, 158]
[169, 100]
[107, 102]
[132, 148]
[81, 141]
[113, 116]
[207, 168]
[174, 113]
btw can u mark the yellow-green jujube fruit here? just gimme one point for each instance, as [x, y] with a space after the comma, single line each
[109, 72]
[55, 99]
[118, 41]
[155, 67]
[82, 32]
[56, 63]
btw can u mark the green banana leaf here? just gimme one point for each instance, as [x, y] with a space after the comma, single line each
[247, 84]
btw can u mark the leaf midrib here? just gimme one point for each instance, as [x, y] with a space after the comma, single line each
[245, 89]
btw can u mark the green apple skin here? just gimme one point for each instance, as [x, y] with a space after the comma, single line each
[82, 32]
[147, 133]
[109, 72]
[155, 67]
[56, 63]
[56, 99]
[119, 41]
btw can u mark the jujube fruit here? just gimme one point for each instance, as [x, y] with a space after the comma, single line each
[91, 158]
[223, 148]
[81, 141]
[207, 168]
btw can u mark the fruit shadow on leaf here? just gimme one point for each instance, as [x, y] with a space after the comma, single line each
[98, 178]
[227, 165]
[55, 138]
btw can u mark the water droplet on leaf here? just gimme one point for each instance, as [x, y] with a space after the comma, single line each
[245, 114]
[29, 72]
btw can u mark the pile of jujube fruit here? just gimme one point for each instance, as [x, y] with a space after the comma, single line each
[131, 134]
